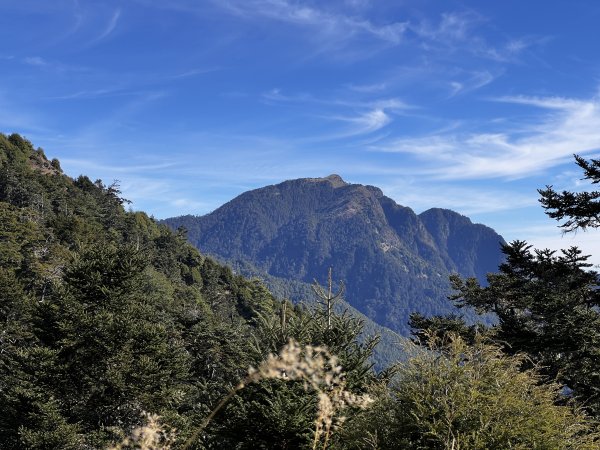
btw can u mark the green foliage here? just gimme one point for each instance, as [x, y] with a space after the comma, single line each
[579, 210]
[271, 415]
[440, 326]
[106, 315]
[393, 261]
[44, 427]
[461, 396]
[547, 307]
[388, 349]
[275, 414]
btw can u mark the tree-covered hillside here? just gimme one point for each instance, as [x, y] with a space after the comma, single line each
[117, 333]
[106, 315]
[393, 261]
[389, 349]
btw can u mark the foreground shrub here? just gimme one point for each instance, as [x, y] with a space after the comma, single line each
[469, 397]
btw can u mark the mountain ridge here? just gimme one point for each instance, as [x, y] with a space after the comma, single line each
[393, 261]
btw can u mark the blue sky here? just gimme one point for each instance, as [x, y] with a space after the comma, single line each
[467, 105]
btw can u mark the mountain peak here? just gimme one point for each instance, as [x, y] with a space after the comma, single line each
[335, 180]
[392, 261]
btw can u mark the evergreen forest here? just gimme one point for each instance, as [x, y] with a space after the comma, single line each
[115, 332]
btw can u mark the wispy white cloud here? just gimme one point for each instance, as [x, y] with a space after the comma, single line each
[451, 27]
[93, 93]
[363, 116]
[35, 61]
[148, 194]
[365, 123]
[87, 164]
[334, 25]
[187, 204]
[276, 95]
[456, 32]
[422, 195]
[367, 88]
[558, 103]
[110, 26]
[348, 30]
[195, 72]
[40, 63]
[420, 146]
[452, 32]
[100, 85]
[456, 87]
[568, 126]
[511, 50]
[472, 82]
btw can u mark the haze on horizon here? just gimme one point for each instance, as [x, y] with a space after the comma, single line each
[464, 105]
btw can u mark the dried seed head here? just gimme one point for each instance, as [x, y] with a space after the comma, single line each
[321, 371]
[151, 436]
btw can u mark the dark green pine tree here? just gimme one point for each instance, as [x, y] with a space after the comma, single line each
[547, 307]
[577, 210]
[116, 350]
[276, 414]
[547, 304]
[105, 314]
[439, 327]
[31, 416]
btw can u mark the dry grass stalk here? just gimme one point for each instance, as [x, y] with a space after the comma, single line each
[318, 369]
[151, 436]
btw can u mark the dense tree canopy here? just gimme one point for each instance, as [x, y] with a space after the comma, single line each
[547, 307]
[107, 316]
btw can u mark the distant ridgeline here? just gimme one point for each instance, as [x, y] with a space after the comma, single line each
[392, 261]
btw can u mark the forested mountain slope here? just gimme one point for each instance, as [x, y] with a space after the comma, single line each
[389, 349]
[108, 319]
[393, 261]
[106, 315]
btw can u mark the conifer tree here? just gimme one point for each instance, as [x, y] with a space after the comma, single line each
[578, 210]
[279, 414]
[327, 299]
[546, 307]
[547, 304]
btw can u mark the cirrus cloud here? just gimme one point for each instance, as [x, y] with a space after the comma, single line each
[566, 126]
